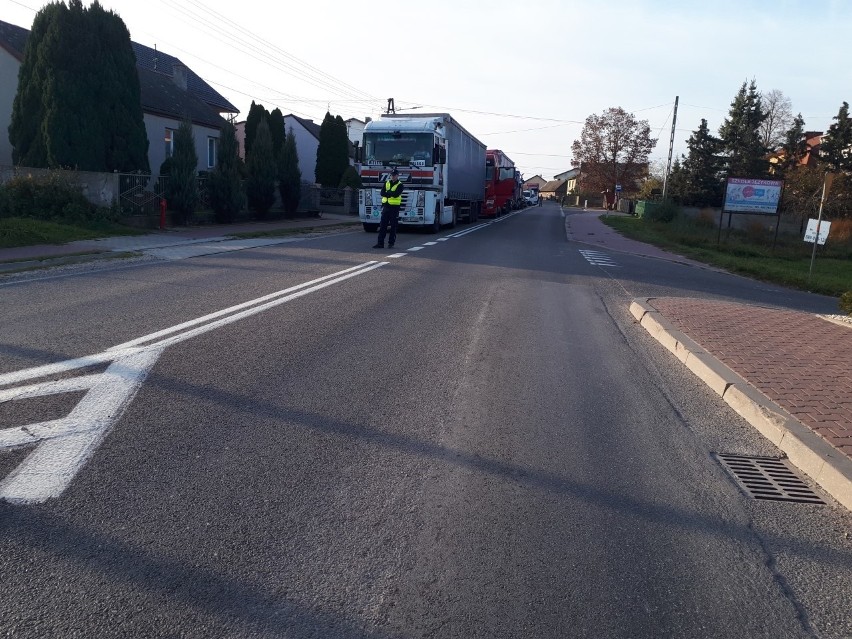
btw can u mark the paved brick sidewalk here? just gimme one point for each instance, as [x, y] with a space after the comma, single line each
[798, 360]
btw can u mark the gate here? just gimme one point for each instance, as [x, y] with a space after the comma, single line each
[140, 194]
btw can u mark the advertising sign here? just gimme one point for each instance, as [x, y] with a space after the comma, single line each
[811, 231]
[752, 196]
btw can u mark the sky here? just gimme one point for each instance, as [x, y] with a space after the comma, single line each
[520, 76]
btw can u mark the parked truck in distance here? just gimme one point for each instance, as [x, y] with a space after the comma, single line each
[501, 184]
[440, 164]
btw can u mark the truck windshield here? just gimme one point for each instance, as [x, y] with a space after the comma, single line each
[398, 149]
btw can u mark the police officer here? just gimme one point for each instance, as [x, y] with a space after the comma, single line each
[391, 201]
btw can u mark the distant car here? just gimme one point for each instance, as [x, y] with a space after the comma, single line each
[530, 198]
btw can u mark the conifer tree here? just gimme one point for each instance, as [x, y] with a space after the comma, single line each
[740, 135]
[78, 101]
[25, 134]
[289, 176]
[836, 146]
[701, 168]
[324, 172]
[182, 192]
[226, 193]
[277, 131]
[794, 147]
[260, 186]
[333, 151]
[255, 115]
[677, 184]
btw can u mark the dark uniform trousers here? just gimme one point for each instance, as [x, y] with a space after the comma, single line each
[390, 218]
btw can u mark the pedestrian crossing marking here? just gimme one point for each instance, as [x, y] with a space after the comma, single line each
[597, 258]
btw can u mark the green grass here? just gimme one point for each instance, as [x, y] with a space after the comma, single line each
[295, 231]
[787, 264]
[16, 231]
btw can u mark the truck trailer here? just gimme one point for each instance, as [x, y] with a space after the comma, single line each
[440, 164]
[500, 184]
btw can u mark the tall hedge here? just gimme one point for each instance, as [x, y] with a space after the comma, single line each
[260, 186]
[226, 193]
[78, 100]
[289, 175]
[182, 194]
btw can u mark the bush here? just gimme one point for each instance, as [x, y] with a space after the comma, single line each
[841, 231]
[350, 178]
[661, 212]
[50, 197]
[706, 219]
[846, 303]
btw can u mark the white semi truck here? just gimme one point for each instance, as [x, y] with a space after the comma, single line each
[440, 164]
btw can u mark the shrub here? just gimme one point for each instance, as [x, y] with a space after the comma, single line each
[350, 178]
[50, 197]
[662, 212]
[841, 231]
[755, 231]
[706, 219]
[846, 303]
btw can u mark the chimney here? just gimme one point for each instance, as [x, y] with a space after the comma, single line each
[368, 119]
[179, 75]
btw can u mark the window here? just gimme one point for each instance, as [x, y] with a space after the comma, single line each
[170, 142]
[212, 152]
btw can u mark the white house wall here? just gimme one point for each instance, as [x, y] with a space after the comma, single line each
[306, 147]
[9, 66]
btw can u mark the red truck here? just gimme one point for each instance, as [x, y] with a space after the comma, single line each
[501, 184]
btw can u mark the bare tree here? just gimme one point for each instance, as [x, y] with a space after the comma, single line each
[613, 149]
[779, 118]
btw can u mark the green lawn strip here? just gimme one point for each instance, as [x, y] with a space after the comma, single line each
[283, 232]
[8, 267]
[787, 265]
[15, 231]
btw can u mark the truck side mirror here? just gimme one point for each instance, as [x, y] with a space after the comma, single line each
[443, 155]
[359, 155]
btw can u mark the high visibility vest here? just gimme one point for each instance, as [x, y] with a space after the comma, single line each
[394, 200]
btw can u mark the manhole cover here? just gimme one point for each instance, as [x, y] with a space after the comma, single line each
[768, 478]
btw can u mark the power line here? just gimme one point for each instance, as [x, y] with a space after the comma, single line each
[312, 71]
[257, 52]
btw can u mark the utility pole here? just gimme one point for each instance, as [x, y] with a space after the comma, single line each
[671, 149]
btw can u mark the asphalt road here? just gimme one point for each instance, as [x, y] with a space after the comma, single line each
[472, 440]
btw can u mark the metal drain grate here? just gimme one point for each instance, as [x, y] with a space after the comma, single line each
[768, 478]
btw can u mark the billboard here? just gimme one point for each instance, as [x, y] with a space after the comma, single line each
[752, 196]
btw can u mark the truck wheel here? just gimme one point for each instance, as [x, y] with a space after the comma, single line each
[371, 228]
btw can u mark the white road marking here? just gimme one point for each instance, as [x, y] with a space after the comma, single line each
[416, 248]
[397, 255]
[48, 470]
[471, 230]
[598, 259]
[443, 239]
[64, 445]
[429, 243]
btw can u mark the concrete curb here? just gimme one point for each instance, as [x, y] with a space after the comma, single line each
[828, 467]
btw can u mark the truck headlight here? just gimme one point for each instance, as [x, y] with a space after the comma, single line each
[421, 199]
[368, 197]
